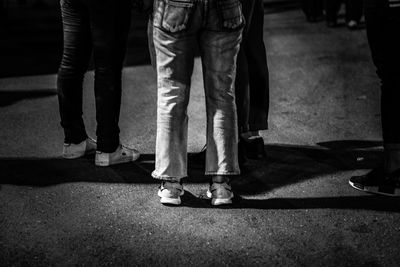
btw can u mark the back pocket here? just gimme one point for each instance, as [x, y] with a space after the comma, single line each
[176, 15]
[231, 15]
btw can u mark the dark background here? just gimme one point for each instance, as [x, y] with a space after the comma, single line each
[31, 36]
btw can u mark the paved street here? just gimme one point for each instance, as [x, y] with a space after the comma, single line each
[295, 208]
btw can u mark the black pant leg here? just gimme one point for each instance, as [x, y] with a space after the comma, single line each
[332, 9]
[242, 93]
[75, 58]
[354, 10]
[258, 71]
[383, 26]
[110, 21]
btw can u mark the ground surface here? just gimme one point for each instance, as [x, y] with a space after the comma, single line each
[294, 208]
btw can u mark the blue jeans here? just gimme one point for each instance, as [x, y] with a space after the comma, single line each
[101, 27]
[215, 27]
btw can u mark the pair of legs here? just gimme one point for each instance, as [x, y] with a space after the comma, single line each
[252, 81]
[354, 11]
[383, 25]
[313, 9]
[100, 27]
[178, 27]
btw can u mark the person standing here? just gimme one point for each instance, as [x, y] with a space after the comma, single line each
[383, 27]
[354, 11]
[215, 26]
[100, 26]
[313, 9]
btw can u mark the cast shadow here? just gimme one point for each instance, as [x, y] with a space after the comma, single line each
[10, 97]
[284, 164]
[367, 202]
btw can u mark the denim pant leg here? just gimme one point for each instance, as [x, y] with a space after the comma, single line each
[74, 63]
[219, 51]
[110, 22]
[175, 59]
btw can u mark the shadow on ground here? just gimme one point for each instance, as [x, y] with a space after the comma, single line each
[11, 97]
[284, 165]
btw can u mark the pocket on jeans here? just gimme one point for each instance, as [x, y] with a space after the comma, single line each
[173, 15]
[230, 13]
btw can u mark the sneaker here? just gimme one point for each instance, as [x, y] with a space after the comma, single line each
[123, 154]
[352, 25]
[170, 192]
[377, 182]
[73, 151]
[220, 194]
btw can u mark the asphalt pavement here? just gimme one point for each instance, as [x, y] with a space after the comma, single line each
[295, 208]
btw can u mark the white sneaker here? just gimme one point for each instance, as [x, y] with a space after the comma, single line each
[220, 194]
[123, 154]
[170, 192]
[73, 151]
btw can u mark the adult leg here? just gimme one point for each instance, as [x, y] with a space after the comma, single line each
[331, 9]
[110, 21]
[258, 71]
[382, 25]
[76, 55]
[174, 63]
[242, 90]
[354, 10]
[219, 48]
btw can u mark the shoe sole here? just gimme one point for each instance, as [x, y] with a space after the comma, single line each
[219, 201]
[384, 191]
[78, 155]
[123, 160]
[169, 200]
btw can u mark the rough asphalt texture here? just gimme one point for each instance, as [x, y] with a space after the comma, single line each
[293, 209]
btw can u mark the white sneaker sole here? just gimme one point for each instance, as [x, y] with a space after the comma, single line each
[376, 190]
[73, 156]
[169, 200]
[106, 163]
[219, 201]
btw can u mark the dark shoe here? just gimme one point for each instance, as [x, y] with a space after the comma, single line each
[253, 148]
[377, 182]
[331, 24]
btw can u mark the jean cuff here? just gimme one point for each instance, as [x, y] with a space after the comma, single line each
[222, 173]
[167, 178]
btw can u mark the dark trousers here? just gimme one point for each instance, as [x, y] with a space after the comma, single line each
[383, 28]
[354, 9]
[101, 26]
[312, 8]
[252, 77]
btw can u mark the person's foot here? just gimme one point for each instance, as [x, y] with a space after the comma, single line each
[170, 192]
[377, 182]
[253, 148]
[122, 154]
[331, 23]
[352, 25]
[220, 193]
[73, 151]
